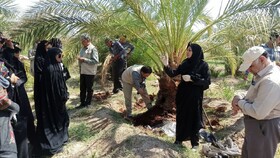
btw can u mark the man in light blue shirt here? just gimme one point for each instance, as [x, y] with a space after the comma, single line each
[271, 47]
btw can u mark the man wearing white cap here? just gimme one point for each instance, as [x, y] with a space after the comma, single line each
[260, 106]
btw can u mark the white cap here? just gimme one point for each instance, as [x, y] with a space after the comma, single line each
[249, 56]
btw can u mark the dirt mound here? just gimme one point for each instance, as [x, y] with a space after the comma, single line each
[115, 138]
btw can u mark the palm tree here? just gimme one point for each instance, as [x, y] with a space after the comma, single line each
[7, 9]
[164, 26]
[240, 32]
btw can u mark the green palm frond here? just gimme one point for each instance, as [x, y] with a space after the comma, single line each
[238, 33]
[163, 26]
[67, 17]
[7, 9]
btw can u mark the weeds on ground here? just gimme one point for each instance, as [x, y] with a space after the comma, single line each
[80, 132]
[187, 152]
[226, 90]
[215, 72]
[83, 113]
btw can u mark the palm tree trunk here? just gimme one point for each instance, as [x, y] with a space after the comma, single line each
[164, 108]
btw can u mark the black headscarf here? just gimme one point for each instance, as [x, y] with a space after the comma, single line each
[56, 42]
[41, 49]
[40, 57]
[190, 64]
[55, 74]
[52, 53]
[197, 53]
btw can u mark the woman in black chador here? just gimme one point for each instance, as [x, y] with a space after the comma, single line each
[53, 119]
[39, 62]
[195, 79]
[24, 128]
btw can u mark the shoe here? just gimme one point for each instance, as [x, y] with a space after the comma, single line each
[82, 105]
[87, 103]
[178, 142]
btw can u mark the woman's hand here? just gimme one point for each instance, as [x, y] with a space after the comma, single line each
[164, 60]
[14, 79]
[187, 78]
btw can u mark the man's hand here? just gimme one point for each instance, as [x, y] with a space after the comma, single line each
[128, 55]
[116, 57]
[141, 91]
[234, 105]
[81, 59]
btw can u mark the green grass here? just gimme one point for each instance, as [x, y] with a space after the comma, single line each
[226, 90]
[80, 132]
[85, 112]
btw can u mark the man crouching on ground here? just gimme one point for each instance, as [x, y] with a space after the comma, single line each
[135, 76]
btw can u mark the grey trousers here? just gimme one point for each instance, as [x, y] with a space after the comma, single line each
[261, 137]
[127, 91]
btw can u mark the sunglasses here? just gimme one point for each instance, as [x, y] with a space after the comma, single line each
[59, 55]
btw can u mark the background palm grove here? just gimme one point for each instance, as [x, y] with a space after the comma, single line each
[154, 27]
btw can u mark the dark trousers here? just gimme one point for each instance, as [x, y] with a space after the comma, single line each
[117, 70]
[86, 91]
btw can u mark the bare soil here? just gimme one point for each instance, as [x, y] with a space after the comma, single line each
[110, 135]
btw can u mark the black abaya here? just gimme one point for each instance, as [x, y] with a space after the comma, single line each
[53, 119]
[189, 95]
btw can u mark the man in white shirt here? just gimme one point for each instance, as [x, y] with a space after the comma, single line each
[88, 60]
[260, 106]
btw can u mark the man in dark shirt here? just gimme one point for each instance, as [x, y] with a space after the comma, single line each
[128, 47]
[118, 62]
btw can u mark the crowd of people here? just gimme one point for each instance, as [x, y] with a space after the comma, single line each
[21, 138]
[260, 105]
[19, 135]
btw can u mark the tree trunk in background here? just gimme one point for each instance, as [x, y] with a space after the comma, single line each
[164, 108]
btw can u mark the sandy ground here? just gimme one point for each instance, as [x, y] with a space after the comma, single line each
[110, 135]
